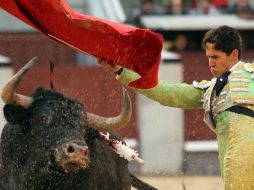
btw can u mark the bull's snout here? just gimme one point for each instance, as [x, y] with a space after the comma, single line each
[72, 156]
[73, 149]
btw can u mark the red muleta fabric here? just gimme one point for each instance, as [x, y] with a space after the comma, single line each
[134, 48]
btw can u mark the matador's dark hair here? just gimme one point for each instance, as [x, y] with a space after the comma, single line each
[225, 39]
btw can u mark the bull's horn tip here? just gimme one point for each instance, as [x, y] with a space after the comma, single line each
[31, 62]
[34, 59]
[125, 91]
[126, 94]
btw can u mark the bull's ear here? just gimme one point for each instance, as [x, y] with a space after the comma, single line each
[14, 113]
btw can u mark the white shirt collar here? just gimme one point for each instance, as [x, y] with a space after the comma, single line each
[234, 66]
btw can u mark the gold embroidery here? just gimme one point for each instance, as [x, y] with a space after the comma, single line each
[226, 88]
[202, 85]
[237, 85]
[223, 93]
[250, 68]
[240, 80]
[236, 72]
[250, 106]
[214, 101]
[242, 99]
[234, 75]
[238, 154]
[219, 107]
[240, 90]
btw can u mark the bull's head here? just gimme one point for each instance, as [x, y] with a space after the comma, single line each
[9, 96]
[49, 120]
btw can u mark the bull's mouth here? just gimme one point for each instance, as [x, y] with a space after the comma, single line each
[74, 165]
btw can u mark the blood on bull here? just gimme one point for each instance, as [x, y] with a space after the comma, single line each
[47, 145]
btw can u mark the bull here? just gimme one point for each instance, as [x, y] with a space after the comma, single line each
[45, 144]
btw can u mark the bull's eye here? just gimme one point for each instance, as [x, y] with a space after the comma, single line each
[64, 117]
[45, 119]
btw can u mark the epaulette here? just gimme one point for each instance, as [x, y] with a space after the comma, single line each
[204, 84]
[250, 68]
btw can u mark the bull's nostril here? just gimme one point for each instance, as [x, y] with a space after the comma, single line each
[70, 149]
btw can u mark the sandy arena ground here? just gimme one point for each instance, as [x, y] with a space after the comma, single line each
[191, 183]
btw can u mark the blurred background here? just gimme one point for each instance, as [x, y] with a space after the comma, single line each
[173, 142]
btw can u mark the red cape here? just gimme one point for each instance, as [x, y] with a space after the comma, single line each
[131, 47]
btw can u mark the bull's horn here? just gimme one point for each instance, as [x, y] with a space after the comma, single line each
[112, 123]
[9, 95]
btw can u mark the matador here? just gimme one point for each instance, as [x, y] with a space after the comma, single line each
[228, 101]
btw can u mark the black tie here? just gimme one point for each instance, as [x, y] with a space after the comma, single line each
[221, 82]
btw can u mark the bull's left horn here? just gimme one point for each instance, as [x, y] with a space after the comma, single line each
[112, 123]
[9, 95]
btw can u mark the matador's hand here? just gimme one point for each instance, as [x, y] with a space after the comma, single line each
[108, 65]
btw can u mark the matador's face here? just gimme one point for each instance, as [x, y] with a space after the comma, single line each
[220, 62]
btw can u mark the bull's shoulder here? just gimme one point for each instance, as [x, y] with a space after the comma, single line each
[106, 152]
[116, 136]
[3, 176]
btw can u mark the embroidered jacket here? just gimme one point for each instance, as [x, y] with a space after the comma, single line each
[235, 132]
[237, 91]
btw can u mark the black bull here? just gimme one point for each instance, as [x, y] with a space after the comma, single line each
[45, 144]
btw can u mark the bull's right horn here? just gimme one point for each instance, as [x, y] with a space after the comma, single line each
[112, 123]
[9, 95]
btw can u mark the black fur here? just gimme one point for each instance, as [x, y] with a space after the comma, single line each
[31, 135]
